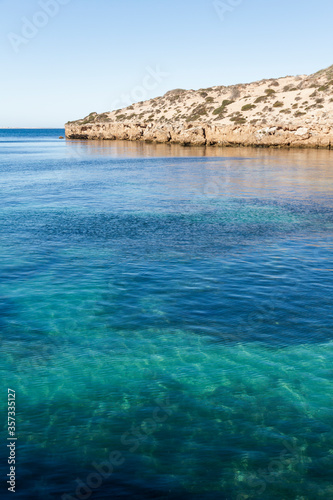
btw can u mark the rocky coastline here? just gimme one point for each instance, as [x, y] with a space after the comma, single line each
[203, 134]
[289, 112]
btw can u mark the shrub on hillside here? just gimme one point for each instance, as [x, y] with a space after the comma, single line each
[221, 109]
[239, 120]
[197, 113]
[248, 107]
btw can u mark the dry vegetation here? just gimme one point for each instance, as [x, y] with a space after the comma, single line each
[276, 101]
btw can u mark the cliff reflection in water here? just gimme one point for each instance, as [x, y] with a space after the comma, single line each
[231, 171]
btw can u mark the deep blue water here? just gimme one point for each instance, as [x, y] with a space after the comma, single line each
[172, 306]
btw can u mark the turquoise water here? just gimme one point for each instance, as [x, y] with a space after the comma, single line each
[173, 305]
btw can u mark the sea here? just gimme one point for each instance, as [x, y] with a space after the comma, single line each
[166, 320]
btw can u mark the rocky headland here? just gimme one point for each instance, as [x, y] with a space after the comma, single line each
[285, 112]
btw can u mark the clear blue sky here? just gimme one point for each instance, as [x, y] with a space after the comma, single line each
[89, 55]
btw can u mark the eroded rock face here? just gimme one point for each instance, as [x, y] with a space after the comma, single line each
[199, 134]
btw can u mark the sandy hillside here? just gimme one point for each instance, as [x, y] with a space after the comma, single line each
[304, 102]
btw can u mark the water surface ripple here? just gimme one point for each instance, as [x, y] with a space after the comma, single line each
[172, 306]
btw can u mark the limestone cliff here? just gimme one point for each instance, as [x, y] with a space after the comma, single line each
[285, 112]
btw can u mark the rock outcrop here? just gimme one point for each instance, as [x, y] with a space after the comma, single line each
[287, 112]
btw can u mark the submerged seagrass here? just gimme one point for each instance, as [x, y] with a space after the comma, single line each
[285, 112]
[137, 275]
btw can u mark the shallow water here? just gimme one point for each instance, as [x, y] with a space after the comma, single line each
[172, 304]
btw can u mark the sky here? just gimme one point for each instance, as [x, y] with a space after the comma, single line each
[63, 59]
